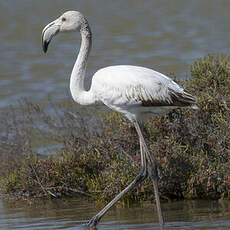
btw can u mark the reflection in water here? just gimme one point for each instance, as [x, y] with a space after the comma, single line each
[73, 214]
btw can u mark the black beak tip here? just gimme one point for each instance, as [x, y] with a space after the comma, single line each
[45, 45]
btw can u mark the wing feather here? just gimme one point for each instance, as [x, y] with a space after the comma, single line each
[133, 85]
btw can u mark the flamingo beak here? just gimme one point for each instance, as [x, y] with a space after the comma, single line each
[48, 33]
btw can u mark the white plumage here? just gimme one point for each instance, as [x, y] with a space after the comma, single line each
[135, 91]
[132, 90]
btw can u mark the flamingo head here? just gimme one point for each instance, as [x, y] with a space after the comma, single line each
[67, 22]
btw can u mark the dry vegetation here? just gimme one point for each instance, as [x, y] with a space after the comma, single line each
[192, 148]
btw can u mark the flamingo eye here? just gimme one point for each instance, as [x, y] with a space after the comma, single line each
[63, 19]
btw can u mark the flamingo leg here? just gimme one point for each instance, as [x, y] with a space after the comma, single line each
[152, 171]
[139, 178]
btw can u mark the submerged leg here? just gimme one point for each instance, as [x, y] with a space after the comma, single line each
[152, 171]
[140, 177]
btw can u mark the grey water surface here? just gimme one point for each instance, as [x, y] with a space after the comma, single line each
[74, 213]
[161, 34]
[165, 35]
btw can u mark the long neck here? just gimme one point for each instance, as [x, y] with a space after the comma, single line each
[79, 94]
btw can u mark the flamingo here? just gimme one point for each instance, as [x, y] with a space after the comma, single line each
[136, 92]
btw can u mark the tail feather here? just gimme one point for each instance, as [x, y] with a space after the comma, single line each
[182, 99]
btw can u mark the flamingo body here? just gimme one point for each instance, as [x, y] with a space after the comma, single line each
[137, 92]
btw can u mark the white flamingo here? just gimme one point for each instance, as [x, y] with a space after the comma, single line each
[132, 90]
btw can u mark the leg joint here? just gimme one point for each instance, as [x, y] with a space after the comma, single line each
[142, 174]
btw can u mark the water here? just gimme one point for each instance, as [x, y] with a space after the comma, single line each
[164, 35]
[73, 214]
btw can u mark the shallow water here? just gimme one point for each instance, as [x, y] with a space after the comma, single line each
[164, 35]
[73, 214]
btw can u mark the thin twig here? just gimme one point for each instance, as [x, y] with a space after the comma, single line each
[39, 182]
[75, 190]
